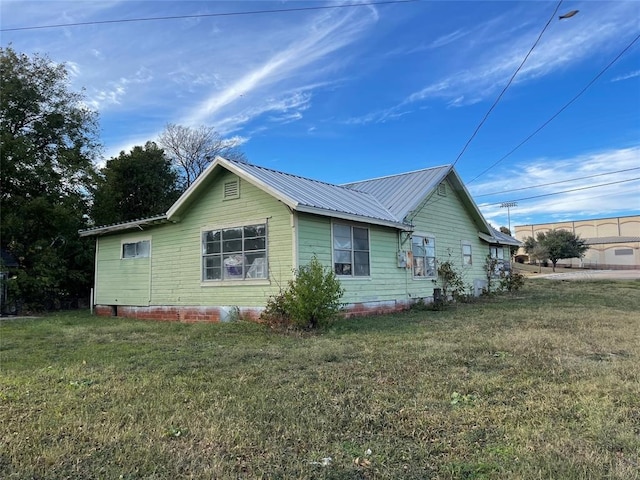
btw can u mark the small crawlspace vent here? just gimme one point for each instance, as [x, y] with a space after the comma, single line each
[231, 189]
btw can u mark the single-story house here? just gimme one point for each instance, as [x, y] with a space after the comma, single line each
[237, 234]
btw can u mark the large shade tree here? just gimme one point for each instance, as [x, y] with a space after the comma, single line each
[556, 245]
[48, 144]
[137, 184]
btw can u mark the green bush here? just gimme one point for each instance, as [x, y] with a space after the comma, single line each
[311, 299]
[511, 281]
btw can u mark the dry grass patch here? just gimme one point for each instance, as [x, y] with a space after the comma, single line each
[542, 385]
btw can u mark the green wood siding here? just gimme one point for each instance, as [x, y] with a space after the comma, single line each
[115, 272]
[174, 271]
[446, 218]
[386, 283]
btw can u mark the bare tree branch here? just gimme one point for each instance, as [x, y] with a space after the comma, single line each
[192, 149]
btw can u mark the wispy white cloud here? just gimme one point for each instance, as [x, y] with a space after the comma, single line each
[626, 76]
[598, 195]
[114, 92]
[305, 45]
[562, 45]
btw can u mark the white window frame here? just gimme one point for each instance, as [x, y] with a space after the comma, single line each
[497, 253]
[467, 258]
[233, 263]
[351, 249]
[140, 251]
[429, 247]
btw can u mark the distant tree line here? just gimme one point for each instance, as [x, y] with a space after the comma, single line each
[51, 185]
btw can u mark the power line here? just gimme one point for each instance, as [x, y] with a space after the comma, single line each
[556, 183]
[559, 111]
[564, 191]
[553, 15]
[226, 14]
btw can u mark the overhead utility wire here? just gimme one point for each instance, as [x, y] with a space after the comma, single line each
[226, 14]
[556, 183]
[553, 15]
[561, 110]
[564, 191]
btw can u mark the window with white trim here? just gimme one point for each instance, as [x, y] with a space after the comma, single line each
[423, 249]
[497, 254]
[467, 254]
[140, 249]
[238, 253]
[351, 251]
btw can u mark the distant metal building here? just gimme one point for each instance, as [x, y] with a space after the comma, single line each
[614, 242]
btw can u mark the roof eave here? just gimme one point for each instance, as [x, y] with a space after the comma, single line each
[353, 217]
[174, 211]
[120, 227]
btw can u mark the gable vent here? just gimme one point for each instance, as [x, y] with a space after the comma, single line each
[442, 189]
[231, 190]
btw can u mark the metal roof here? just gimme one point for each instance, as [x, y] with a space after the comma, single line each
[315, 195]
[126, 225]
[403, 193]
[385, 201]
[503, 238]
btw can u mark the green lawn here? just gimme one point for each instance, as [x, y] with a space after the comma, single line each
[544, 384]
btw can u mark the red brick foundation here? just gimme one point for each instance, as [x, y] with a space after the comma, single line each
[177, 313]
[218, 314]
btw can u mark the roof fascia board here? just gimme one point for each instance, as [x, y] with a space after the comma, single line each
[413, 211]
[354, 218]
[469, 200]
[119, 227]
[172, 213]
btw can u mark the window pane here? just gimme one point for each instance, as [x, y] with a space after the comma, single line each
[254, 244]
[341, 236]
[418, 267]
[143, 248]
[342, 256]
[211, 242]
[254, 231]
[229, 246]
[256, 265]
[129, 250]
[231, 233]
[233, 266]
[430, 247]
[212, 268]
[342, 268]
[360, 238]
[466, 249]
[361, 260]
[431, 267]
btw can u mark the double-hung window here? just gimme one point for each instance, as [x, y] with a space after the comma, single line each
[351, 251]
[423, 249]
[238, 253]
[467, 257]
[497, 255]
[141, 249]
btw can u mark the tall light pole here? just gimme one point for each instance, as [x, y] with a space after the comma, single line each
[508, 206]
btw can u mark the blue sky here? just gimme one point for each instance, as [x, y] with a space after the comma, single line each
[347, 94]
